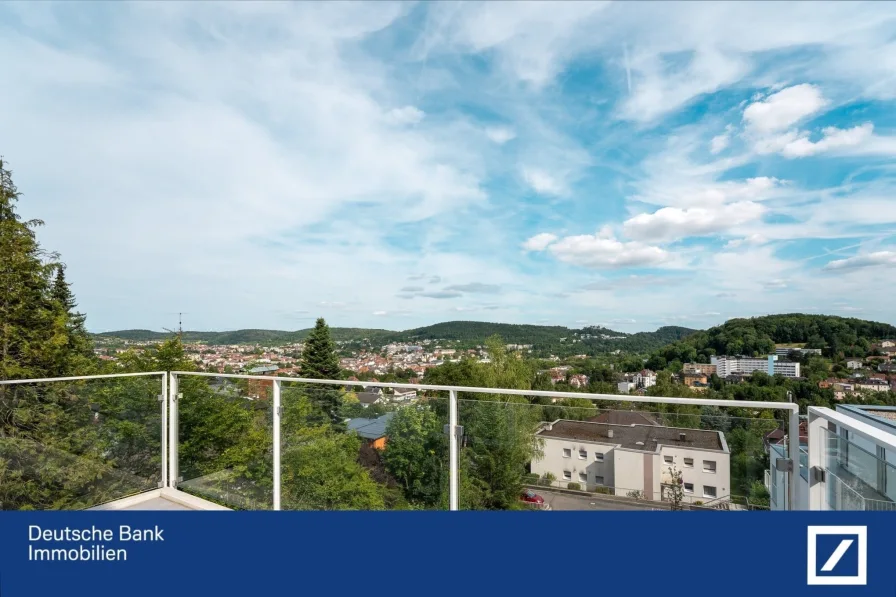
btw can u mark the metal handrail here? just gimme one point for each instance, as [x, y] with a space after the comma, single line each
[512, 392]
[12, 382]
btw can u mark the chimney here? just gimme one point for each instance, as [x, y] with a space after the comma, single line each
[610, 433]
[548, 427]
[681, 437]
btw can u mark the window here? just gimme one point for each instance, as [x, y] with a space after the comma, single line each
[667, 459]
[709, 466]
[689, 488]
[583, 454]
[567, 475]
[599, 456]
[598, 480]
[583, 477]
[709, 491]
[567, 452]
[689, 462]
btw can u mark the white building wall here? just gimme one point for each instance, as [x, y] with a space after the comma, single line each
[631, 470]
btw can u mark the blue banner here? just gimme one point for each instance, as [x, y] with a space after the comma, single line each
[136, 554]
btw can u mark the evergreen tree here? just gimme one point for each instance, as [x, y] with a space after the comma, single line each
[319, 360]
[30, 330]
[77, 354]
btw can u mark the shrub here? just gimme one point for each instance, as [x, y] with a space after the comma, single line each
[574, 486]
[637, 494]
[547, 480]
[698, 503]
[603, 490]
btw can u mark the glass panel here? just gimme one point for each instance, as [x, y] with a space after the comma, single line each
[515, 444]
[856, 478]
[225, 454]
[362, 449]
[70, 445]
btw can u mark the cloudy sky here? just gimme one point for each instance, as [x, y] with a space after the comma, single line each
[394, 165]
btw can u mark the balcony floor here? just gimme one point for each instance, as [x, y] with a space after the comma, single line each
[161, 499]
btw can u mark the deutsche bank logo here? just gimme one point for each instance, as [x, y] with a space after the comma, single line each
[838, 555]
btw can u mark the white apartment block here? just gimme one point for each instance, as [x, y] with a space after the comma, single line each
[630, 458]
[726, 365]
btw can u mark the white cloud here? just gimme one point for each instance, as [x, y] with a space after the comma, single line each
[719, 143]
[833, 139]
[500, 135]
[672, 223]
[598, 252]
[405, 115]
[783, 109]
[876, 259]
[378, 313]
[753, 239]
[542, 182]
[539, 242]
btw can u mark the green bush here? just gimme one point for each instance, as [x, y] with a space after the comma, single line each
[574, 486]
[603, 490]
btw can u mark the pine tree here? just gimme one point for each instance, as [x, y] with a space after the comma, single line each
[319, 360]
[76, 357]
[30, 329]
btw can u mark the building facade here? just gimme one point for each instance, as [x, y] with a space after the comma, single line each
[635, 458]
[726, 366]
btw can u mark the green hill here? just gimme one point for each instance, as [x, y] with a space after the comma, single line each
[544, 339]
[758, 336]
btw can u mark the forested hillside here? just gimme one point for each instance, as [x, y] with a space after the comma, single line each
[544, 339]
[758, 336]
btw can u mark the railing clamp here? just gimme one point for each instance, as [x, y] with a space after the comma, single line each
[160, 397]
[818, 474]
[178, 396]
[784, 465]
[458, 430]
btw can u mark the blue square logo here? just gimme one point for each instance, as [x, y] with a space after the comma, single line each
[837, 555]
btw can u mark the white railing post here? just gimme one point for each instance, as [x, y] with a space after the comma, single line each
[817, 447]
[164, 401]
[452, 450]
[277, 413]
[172, 431]
[793, 447]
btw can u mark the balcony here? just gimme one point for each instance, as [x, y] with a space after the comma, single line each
[197, 441]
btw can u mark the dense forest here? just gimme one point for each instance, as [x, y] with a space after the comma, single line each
[836, 336]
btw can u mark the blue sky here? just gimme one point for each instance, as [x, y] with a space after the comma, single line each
[394, 165]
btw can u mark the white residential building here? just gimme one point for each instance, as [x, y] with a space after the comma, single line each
[854, 364]
[626, 386]
[645, 378]
[726, 365]
[627, 458]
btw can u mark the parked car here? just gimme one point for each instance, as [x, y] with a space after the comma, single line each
[533, 500]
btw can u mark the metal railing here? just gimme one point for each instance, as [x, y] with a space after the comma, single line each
[453, 428]
[174, 442]
[78, 442]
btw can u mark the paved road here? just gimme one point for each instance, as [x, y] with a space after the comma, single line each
[567, 501]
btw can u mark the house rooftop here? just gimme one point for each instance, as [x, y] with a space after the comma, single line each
[624, 417]
[634, 437]
[370, 428]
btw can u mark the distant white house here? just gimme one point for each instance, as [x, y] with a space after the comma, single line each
[626, 386]
[854, 363]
